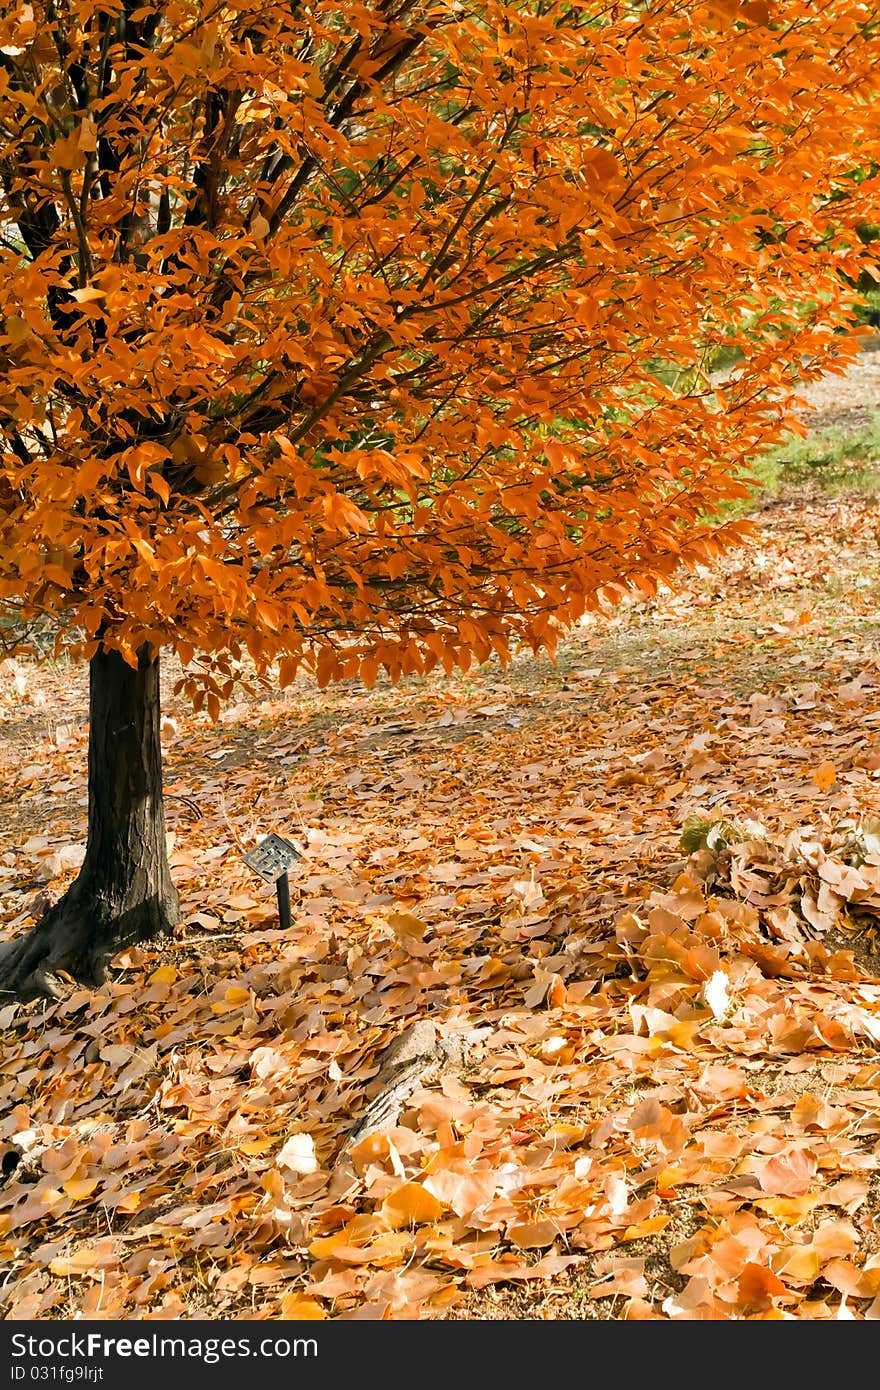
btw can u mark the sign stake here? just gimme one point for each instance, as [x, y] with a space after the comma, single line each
[271, 859]
[282, 888]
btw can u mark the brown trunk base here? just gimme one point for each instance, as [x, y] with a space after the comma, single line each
[77, 937]
[123, 893]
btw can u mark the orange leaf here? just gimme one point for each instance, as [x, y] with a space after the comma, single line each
[825, 776]
[296, 1308]
[387, 1248]
[789, 1211]
[162, 975]
[77, 1188]
[790, 1174]
[758, 1286]
[535, 1235]
[800, 1262]
[411, 1204]
[407, 926]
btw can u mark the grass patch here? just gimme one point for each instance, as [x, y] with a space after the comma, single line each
[832, 460]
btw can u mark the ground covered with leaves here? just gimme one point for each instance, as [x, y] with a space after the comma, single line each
[640, 1077]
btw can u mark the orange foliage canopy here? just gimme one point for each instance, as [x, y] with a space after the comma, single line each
[374, 335]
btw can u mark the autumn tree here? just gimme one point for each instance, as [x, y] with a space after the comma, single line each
[342, 337]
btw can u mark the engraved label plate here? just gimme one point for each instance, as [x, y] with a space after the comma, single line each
[272, 857]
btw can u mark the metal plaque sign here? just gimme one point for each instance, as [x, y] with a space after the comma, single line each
[272, 857]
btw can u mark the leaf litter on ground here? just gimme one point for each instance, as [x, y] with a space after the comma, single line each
[670, 1106]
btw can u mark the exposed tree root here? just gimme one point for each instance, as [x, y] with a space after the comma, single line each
[75, 939]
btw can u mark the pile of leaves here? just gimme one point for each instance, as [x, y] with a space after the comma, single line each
[656, 1083]
[801, 887]
[683, 1075]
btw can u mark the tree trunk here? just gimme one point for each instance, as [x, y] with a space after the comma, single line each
[123, 892]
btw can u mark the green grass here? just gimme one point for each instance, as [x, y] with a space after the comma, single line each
[833, 460]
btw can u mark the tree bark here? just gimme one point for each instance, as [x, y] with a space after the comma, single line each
[123, 892]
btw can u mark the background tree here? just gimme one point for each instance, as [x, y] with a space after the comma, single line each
[361, 336]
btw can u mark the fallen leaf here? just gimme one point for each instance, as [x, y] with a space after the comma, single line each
[824, 776]
[758, 1287]
[298, 1154]
[411, 1204]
